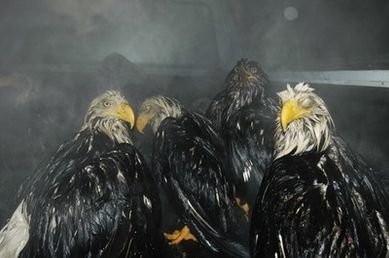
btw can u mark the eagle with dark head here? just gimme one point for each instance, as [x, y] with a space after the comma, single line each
[93, 198]
[244, 83]
[187, 159]
[318, 198]
[245, 115]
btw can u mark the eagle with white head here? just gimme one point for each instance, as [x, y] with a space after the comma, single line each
[94, 197]
[318, 198]
[304, 123]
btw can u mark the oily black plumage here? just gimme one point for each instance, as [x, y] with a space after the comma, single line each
[318, 198]
[188, 161]
[245, 83]
[245, 115]
[94, 198]
[248, 138]
[328, 204]
[215, 109]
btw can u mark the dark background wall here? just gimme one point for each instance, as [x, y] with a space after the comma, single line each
[55, 56]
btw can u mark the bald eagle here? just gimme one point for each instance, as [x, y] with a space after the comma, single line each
[243, 85]
[93, 198]
[187, 160]
[318, 198]
[244, 113]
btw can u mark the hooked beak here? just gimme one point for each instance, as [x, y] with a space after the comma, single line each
[251, 77]
[246, 76]
[143, 120]
[125, 113]
[291, 111]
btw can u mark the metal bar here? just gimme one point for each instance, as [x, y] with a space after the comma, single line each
[366, 78]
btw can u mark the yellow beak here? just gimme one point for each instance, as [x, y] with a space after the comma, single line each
[291, 111]
[125, 113]
[143, 120]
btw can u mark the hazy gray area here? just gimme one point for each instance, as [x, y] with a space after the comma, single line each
[56, 55]
[317, 34]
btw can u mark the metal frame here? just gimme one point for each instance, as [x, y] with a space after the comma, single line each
[366, 78]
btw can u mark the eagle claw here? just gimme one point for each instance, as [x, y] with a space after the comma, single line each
[177, 236]
[244, 207]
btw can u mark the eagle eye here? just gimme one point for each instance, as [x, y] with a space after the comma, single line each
[307, 103]
[107, 103]
[253, 70]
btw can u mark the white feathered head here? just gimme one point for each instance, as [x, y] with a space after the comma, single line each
[110, 114]
[155, 109]
[304, 123]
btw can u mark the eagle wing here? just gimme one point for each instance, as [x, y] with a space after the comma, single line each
[215, 109]
[326, 204]
[105, 207]
[188, 160]
[249, 143]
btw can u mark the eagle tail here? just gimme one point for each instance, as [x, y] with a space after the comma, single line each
[15, 234]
